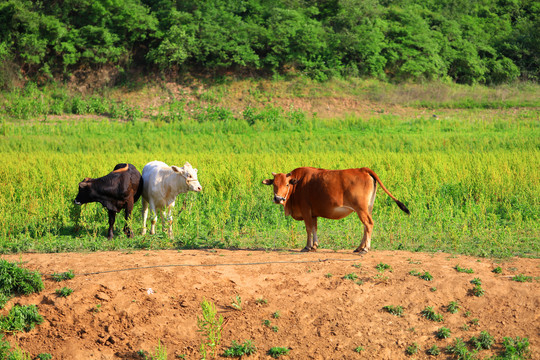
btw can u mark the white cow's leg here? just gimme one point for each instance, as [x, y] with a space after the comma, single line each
[170, 219]
[154, 218]
[144, 215]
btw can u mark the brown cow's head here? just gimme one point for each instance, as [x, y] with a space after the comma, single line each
[282, 186]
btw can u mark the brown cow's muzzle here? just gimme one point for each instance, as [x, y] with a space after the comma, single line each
[279, 199]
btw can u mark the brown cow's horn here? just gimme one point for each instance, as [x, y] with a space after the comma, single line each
[273, 174]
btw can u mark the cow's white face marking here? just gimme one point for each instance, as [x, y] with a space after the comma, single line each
[190, 174]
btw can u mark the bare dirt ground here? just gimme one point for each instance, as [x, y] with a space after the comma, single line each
[124, 302]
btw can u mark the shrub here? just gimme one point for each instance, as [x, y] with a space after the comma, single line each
[453, 307]
[515, 347]
[412, 349]
[64, 292]
[17, 280]
[21, 318]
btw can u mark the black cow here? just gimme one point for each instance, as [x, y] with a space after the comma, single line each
[118, 190]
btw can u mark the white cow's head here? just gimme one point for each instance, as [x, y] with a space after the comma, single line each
[189, 173]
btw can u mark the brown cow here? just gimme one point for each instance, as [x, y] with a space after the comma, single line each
[308, 193]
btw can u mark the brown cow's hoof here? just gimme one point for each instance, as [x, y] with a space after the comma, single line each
[306, 249]
[361, 251]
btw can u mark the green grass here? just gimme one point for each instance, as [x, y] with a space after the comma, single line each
[470, 179]
[443, 333]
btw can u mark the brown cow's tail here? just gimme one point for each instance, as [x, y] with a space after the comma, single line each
[399, 203]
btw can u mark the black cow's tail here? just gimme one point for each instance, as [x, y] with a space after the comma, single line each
[399, 203]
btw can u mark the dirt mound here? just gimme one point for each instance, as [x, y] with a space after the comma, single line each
[124, 302]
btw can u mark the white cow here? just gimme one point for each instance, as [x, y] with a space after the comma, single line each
[161, 184]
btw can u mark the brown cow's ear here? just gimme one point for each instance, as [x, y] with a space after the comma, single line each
[176, 168]
[293, 181]
[268, 182]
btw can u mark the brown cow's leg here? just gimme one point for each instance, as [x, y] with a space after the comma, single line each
[112, 218]
[367, 220]
[308, 221]
[315, 241]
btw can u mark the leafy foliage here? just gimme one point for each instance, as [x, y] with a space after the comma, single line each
[492, 42]
[20, 318]
[16, 280]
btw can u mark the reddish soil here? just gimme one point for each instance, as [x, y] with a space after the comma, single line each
[112, 313]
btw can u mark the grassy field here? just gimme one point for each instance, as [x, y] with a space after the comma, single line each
[470, 177]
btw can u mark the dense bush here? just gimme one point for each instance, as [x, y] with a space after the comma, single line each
[492, 41]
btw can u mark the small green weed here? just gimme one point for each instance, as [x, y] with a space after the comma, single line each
[359, 282]
[277, 351]
[465, 327]
[261, 301]
[237, 303]
[434, 350]
[518, 347]
[274, 328]
[476, 281]
[459, 349]
[453, 307]
[464, 270]
[430, 314]
[359, 349]
[497, 270]
[44, 356]
[160, 352]
[416, 262]
[425, 276]
[63, 292]
[477, 291]
[328, 275]
[483, 341]
[522, 278]
[381, 267]
[351, 276]
[68, 275]
[475, 322]
[247, 348]
[433, 289]
[20, 318]
[394, 310]
[210, 326]
[358, 266]
[412, 349]
[443, 333]
[276, 315]
[266, 322]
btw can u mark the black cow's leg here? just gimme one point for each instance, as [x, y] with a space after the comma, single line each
[112, 218]
[127, 211]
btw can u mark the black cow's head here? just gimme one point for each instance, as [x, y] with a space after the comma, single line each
[85, 192]
[282, 186]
